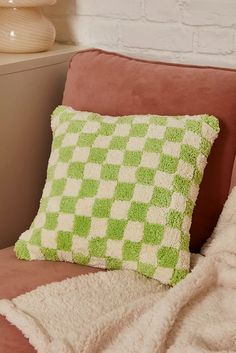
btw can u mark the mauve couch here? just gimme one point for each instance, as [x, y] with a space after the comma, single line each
[113, 84]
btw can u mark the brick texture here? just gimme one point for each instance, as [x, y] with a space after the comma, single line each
[191, 31]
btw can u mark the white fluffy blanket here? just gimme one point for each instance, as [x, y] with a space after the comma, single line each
[123, 312]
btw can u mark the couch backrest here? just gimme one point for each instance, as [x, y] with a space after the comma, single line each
[112, 84]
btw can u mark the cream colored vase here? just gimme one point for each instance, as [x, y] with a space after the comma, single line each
[24, 28]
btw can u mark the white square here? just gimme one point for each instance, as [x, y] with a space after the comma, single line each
[157, 215]
[84, 206]
[122, 130]
[61, 170]
[49, 239]
[53, 158]
[141, 119]
[97, 262]
[201, 162]
[164, 180]
[92, 171]
[80, 245]
[65, 256]
[136, 143]
[178, 202]
[115, 157]
[26, 235]
[192, 139]
[106, 189]
[70, 140]
[183, 261]
[172, 238]
[148, 254]
[186, 224]
[110, 119]
[39, 220]
[61, 129]
[172, 148]
[98, 227]
[91, 127]
[72, 187]
[193, 192]
[163, 274]
[119, 209]
[114, 249]
[208, 132]
[156, 131]
[80, 154]
[127, 174]
[35, 252]
[54, 204]
[185, 169]
[102, 141]
[143, 193]
[150, 160]
[130, 265]
[134, 231]
[47, 189]
[65, 222]
[177, 122]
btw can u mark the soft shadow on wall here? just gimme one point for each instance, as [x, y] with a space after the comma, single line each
[62, 15]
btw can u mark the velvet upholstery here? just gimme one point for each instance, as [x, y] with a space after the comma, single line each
[18, 277]
[113, 84]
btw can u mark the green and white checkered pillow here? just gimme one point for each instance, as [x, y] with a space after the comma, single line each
[120, 192]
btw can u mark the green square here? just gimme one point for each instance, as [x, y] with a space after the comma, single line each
[49, 254]
[161, 197]
[153, 233]
[36, 237]
[64, 241]
[181, 185]
[205, 147]
[102, 208]
[178, 275]
[124, 191]
[174, 134]
[132, 158]
[118, 143]
[88, 188]
[97, 155]
[139, 130]
[110, 172]
[86, 140]
[76, 170]
[131, 250]
[50, 172]
[137, 211]
[167, 257]
[116, 229]
[146, 269]
[68, 204]
[58, 187]
[57, 141]
[189, 208]
[194, 126]
[75, 126]
[197, 177]
[153, 145]
[82, 226]
[51, 221]
[168, 164]
[158, 120]
[106, 129]
[184, 242]
[81, 259]
[65, 153]
[175, 219]
[113, 264]
[21, 250]
[97, 247]
[189, 154]
[145, 175]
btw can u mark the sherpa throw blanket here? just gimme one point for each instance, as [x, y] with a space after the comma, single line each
[123, 312]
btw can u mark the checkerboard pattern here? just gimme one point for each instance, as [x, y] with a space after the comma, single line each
[120, 192]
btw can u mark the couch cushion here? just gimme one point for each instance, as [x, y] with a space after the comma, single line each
[113, 84]
[18, 277]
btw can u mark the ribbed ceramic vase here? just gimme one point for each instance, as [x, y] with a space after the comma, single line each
[23, 26]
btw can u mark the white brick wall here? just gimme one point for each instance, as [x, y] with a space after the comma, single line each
[192, 31]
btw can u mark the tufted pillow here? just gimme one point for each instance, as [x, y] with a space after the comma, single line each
[120, 192]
